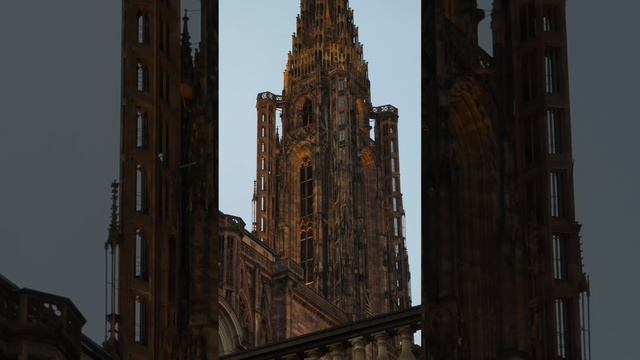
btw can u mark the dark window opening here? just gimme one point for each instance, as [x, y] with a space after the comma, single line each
[557, 203]
[551, 19]
[554, 124]
[532, 140]
[141, 128]
[552, 71]
[559, 257]
[141, 324]
[306, 254]
[529, 77]
[141, 256]
[142, 78]
[527, 22]
[141, 190]
[562, 328]
[307, 113]
[143, 28]
[306, 189]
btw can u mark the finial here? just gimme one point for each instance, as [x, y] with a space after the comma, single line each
[185, 27]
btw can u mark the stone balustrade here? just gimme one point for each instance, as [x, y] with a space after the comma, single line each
[25, 314]
[378, 336]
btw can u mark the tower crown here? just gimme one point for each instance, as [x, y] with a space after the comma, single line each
[326, 38]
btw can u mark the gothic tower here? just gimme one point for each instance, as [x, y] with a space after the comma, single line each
[149, 175]
[503, 268]
[531, 52]
[327, 194]
[164, 245]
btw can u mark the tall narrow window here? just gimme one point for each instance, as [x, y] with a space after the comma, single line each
[529, 76]
[143, 28]
[341, 135]
[403, 222]
[307, 113]
[391, 149]
[173, 276]
[393, 165]
[306, 254]
[393, 184]
[164, 36]
[262, 208]
[142, 78]
[527, 22]
[262, 183]
[306, 189]
[262, 131]
[262, 164]
[556, 193]
[562, 333]
[559, 257]
[555, 131]
[262, 117]
[550, 19]
[262, 228]
[531, 136]
[164, 85]
[395, 226]
[341, 102]
[262, 148]
[141, 128]
[552, 71]
[395, 204]
[141, 317]
[341, 84]
[141, 196]
[341, 118]
[141, 256]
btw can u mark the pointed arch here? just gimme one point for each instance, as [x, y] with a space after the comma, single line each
[231, 336]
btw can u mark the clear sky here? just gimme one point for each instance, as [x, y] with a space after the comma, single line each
[59, 137]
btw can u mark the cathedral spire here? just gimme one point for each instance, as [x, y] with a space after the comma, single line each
[187, 59]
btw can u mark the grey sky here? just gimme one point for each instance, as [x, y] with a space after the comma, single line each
[59, 138]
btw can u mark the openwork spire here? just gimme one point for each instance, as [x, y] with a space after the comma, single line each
[326, 38]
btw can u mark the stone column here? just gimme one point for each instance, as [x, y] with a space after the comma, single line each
[313, 354]
[382, 339]
[358, 345]
[406, 342]
[336, 352]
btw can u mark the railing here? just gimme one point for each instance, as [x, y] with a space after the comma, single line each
[24, 312]
[348, 341]
[269, 95]
[384, 109]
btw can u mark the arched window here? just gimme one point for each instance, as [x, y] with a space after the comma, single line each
[306, 254]
[141, 195]
[306, 189]
[141, 256]
[143, 28]
[143, 78]
[141, 128]
[307, 113]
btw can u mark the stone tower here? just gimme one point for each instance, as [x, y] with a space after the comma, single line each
[164, 244]
[502, 255]
[327, 193]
